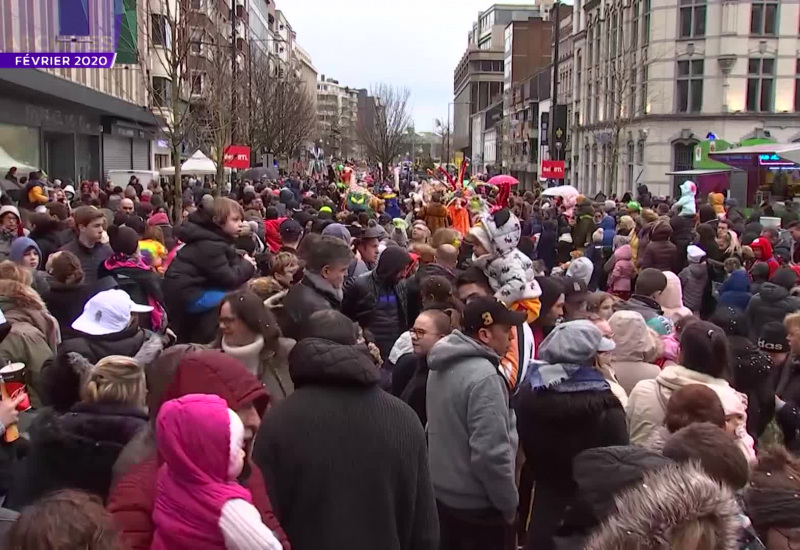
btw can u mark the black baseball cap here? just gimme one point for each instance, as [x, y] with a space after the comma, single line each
[290, 229]
[485, 312]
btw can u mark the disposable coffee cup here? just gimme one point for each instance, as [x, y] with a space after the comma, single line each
[12, 383]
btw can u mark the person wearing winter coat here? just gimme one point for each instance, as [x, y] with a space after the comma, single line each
[67, 292]
[77, 450]
[762, 249]
[321, 286]
[86, 243]
[694, 279]
[675, 506]
[434, 214]
[584, 225]
[649, 285]
[635, 350]
[510, 272]
[564, 406]
[770, 500]
[735, 291]
[609, 226]
[25, 252]
[33, 334]
[204, 269]
[50, 230]
[129, 273]
[622, 271]
[306, 447]
[660, 253]
[546, 245]
[472, 435]
[250, 333]
[180, 371]
[773, 302]
[704, 359]
[682, 236]
[752, 370]
[671, 299]
[378, 301]
[198, 500]
[106, 327]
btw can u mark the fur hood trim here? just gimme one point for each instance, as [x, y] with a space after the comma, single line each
[651, 514]
[21, 296]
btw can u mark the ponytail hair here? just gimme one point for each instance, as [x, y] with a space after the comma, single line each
[704, 349]
[116, 379]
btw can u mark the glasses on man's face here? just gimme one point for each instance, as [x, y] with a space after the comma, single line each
[421, 333]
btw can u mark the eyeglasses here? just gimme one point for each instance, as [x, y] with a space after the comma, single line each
[420, 333]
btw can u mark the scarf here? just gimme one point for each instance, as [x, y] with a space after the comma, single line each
[249, 355]
[564, 377]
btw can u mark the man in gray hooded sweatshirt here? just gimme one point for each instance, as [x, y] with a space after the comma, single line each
[472, 437]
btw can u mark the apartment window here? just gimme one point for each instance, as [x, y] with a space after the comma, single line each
[640, 159]
[764, 17]
[632, 92]
[635, 24]
[631, 161]
[760, 84]
[161, 91]
[196, 45]
[690, 86]
[797, 87]
[593, 177]
[159, 30]
[646, 23]
[692, 22]
[197, 83]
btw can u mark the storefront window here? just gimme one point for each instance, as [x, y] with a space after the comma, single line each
[21, 146]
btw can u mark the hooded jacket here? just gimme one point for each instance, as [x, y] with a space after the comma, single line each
[510, 272]
[694, 281]
[472, 433]
[435, 216]
[132, 497]
[141, 283]
[772, 303]
[620, 278]
[41, 282]
[609, 227]
[34, 334]
[659, 253]
[345, 457]
[735, 291]
[379, 302]
[686, 202]
[636, 348]
[765, 247]
[65, 303]
[670, 499]
[647, 403]
[556, 423]
[76, 450]
[717, 200]
[671, 298]
[645, 305]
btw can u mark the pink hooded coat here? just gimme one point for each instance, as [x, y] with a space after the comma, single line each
[193, 435]
[620, 278]
[671, 299]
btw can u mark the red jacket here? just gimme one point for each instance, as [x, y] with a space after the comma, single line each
[207, 371]
[272, 234]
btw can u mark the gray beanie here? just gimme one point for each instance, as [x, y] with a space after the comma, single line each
[337, 230]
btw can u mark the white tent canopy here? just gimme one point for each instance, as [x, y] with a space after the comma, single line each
[7, 161]
[196, 165]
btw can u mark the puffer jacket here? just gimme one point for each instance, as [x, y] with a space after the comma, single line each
[609, 227]
[380, 307]
[772, 303]
[694, 280]
[671, 500]
[76, 450]
[635, 351]
[623, 270]
[435, 216]
[660, 252]
[682, 235]
[647, 403]
[735, 291]
[133, 494]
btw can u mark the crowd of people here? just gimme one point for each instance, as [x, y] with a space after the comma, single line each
[361, 364]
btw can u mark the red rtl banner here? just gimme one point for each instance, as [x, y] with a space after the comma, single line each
[236, 156]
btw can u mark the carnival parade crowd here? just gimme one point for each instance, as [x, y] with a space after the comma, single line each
[359, 363]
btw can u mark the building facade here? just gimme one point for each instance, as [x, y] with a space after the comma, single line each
[652, 78]
[337, 116]
[480, 76]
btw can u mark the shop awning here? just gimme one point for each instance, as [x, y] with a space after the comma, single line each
[197, 165]
[748, 156]
[695, 173]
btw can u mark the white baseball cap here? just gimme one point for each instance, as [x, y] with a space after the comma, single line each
[108, 312]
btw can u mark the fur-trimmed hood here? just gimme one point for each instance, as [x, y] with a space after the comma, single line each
[21, 304]
[651, 514]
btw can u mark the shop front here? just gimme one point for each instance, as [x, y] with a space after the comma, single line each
[69, 130]
[773, 169]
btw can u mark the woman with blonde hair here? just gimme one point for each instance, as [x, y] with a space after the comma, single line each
[77, 450]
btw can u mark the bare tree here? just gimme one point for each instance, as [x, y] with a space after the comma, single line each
[444, 132]
[387, 138]
[283, 114]
[167, 41]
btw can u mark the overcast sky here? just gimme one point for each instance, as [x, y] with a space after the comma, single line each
[413, 43]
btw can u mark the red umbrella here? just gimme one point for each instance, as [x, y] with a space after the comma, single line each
[503, 179]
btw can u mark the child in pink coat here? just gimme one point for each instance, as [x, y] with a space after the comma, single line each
[199, 504]
[619, 281]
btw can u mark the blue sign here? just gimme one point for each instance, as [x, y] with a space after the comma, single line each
[772, 159]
